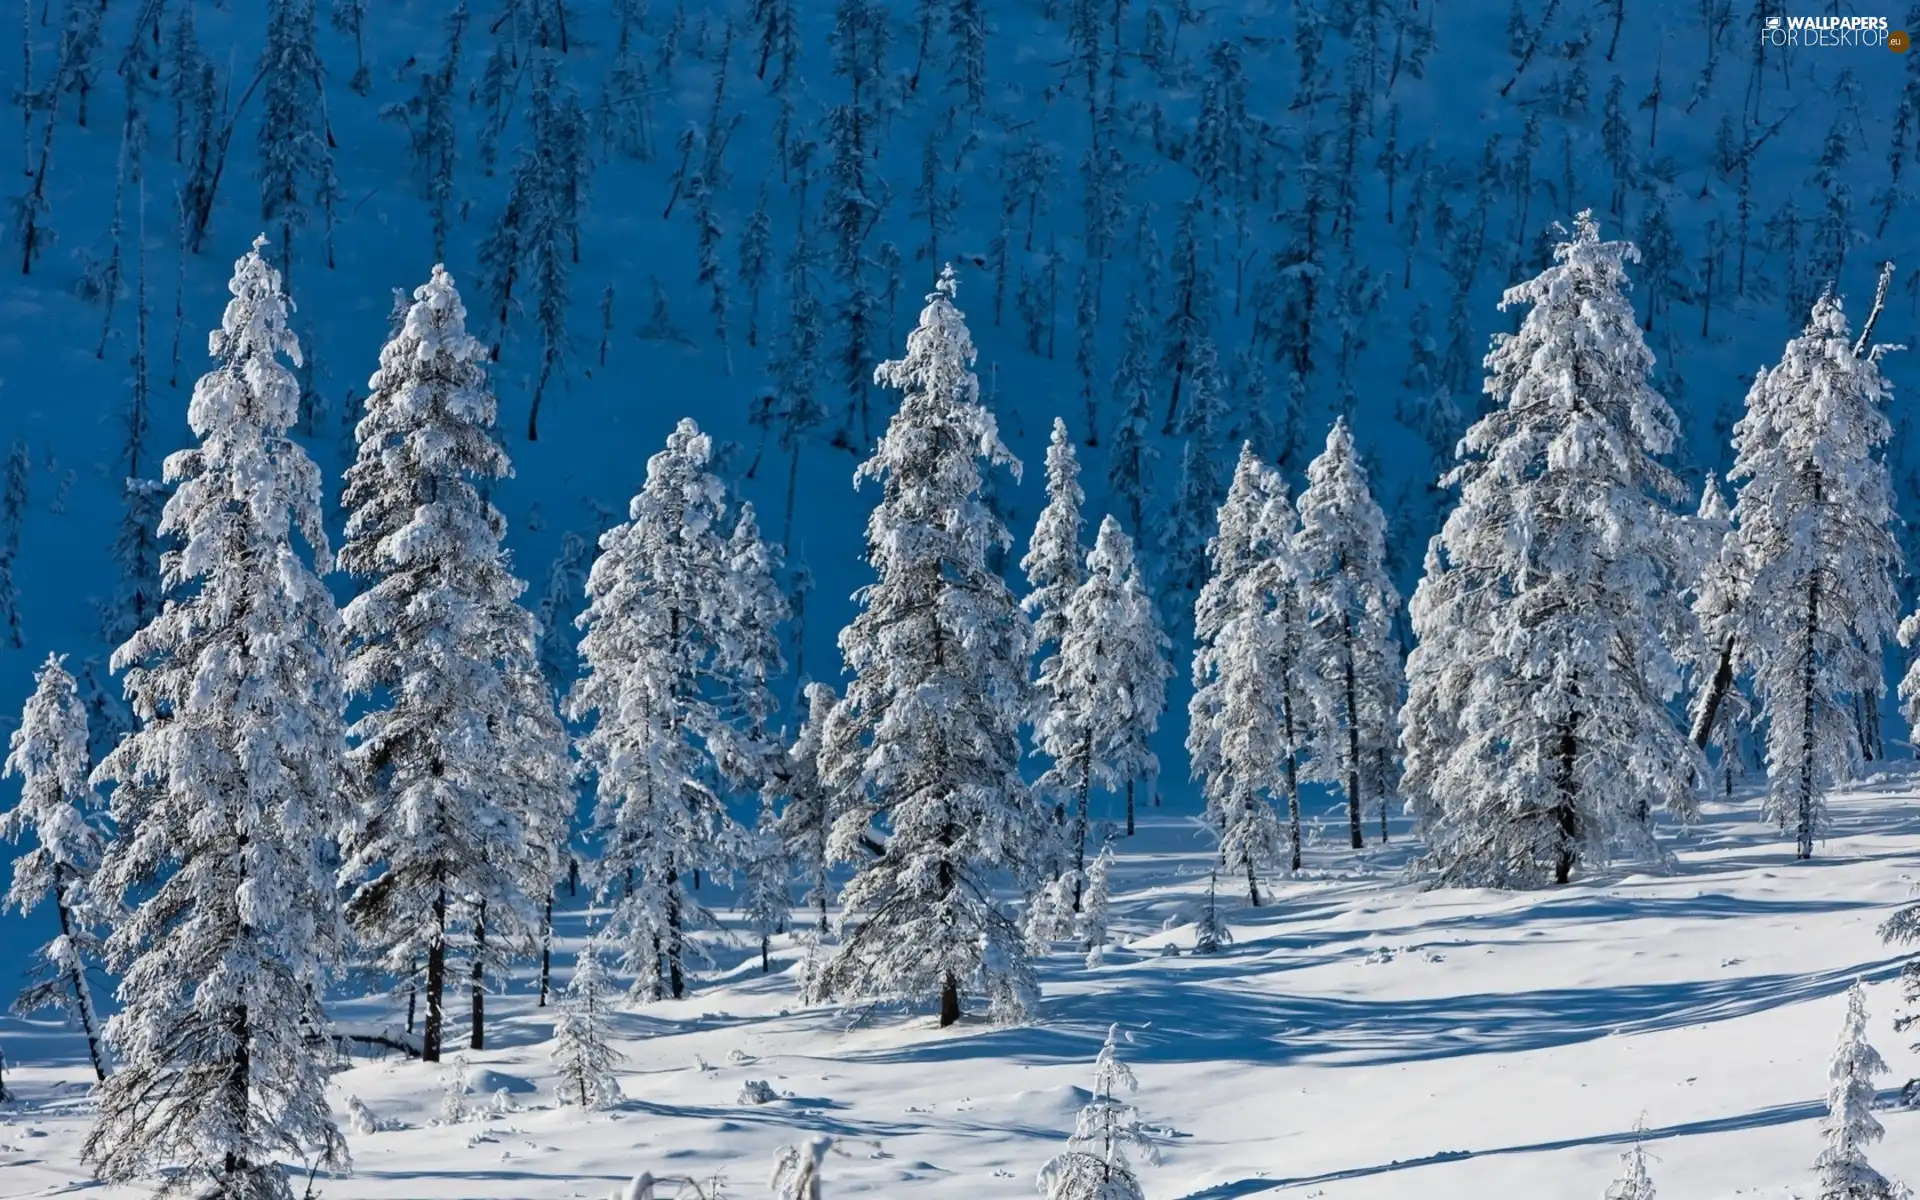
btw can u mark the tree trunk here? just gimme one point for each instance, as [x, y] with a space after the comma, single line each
[1566, 814]
[1809, 677]
[1353, 742]
[949, 1001]
[413, 999]
[436, 983]
[1293, 788]
[477, 1036]
[546, 951]
[1716, 692]
[1253, 888]
[1383, 796]
[1080, 823]
[76, 981]
[235, 1094]
[1129, 808]
[676, 975]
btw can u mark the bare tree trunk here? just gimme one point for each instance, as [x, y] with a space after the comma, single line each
[546, 951]
[1716, 693]
[76, 981]
[477, 1036]
[1353, 743]
[436, 983]
[1809, 676]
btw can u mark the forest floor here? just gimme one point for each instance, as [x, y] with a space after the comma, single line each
[1359, 1039]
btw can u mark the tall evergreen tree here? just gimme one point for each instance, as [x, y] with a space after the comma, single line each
[1244, 720]
[227, 797]
[459, 768]
[1536, 721]
[668, 672]
[926, 739]
[48, 753]
[1849, 1126]
[1351, 607]
[1812, 529]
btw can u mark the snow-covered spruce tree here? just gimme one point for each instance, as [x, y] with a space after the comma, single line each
[227, 798]
[1053, 568]
[767, 899]
[1633, 1182]
[462, 794]
[926, 738]
[1849, 1126]
[806, 819]
[666, 667]
[1812, 528]
[1052, 561]
[1105, 686]
[584, 1058]
[1245, 721]
[1719, 710]
[1536, 728]
[1350, 608]
[1095, 1164]
[1095, 907]
[49, 756]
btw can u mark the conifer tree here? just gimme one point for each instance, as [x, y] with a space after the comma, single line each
[1131, 449]
[459, 768]
[1634, 1183]
[767, 899]
[668, 675]
[1351, 605]
[1243, 723]
[1849, 1126]
[13, 517]
[227, 797]
[806, 820]
[296, 154]
[1183, 535]
[1053, 559]
[1811, 528]
[1095, 1165]
[1717, 596]
[1105, 686]
[584, 1059]
[1536, 726]
[48, 754]
[938, 660]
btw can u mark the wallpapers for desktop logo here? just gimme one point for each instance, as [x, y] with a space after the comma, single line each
[1831, 32]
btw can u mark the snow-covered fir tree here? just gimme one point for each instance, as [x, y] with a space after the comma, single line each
[1105, 686]
[227, 797]
[668, 673]
[1812, 532]
[1096, 905]
[1634, 1182]
[767, 899]
[1351, 605]
[806, 819]
[1718, 710]
[584, 1058]
[1849, 1126]
[1245, 720]
[48, 754]
[1536, 726]
[1095, 1165]
[926, 737]
[1052, 562]
[462, 789]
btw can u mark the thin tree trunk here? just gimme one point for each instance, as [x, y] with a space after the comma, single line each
[1293, 787]
[546, 951]
[76, 981]
[1129, 808]
[477, 1037]
[1383, 796]
[1080, 823]
[1353, 743]
[1809, 676]
[436, 983]
[1716, 693]
[1253, 888]
[676, 976]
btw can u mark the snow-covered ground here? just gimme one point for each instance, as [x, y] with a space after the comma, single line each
[1360, 1039]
